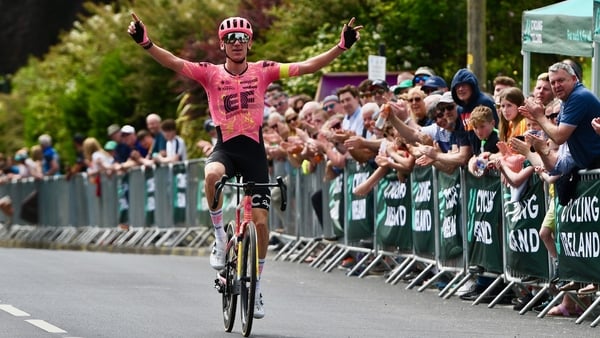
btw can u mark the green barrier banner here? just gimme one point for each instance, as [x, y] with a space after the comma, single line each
[123, 195]
[525, 251]
[449, 206]
[484, 217]
[423, 207]
[359, 210]
[336, 204]
[150, 199]
[578, 228]
[393, 215]
[179, 173]
[201, 204]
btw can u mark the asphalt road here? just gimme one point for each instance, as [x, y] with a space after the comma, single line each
[46, 293]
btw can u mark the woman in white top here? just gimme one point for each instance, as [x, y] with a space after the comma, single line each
[97, 159]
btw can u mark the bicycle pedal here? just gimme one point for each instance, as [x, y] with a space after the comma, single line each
[219, 286]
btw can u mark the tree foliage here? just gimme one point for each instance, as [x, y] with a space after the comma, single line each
[96, 75]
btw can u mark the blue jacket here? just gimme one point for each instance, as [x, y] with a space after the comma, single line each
[477, 98]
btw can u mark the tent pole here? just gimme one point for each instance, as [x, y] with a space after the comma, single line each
[526, 72]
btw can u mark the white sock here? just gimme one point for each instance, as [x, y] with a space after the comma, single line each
[217, 220]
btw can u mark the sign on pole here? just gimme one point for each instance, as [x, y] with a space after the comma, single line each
[376, 67]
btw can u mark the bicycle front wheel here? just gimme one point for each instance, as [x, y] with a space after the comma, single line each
[230, 291]
[249, 272]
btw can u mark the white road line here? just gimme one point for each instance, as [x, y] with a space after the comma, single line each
[44, 325]
[13, 310]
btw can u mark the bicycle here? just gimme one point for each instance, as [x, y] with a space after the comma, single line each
[239, 275]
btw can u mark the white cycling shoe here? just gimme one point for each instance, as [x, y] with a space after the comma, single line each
[259, 310]
[217, 256]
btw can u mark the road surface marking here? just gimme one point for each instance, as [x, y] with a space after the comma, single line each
[44, 325]
[13, 310]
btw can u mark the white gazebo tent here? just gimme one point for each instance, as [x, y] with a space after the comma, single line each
[564, 28]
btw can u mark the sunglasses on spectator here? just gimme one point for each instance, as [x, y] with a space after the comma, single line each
[365, 94]
[415, 99]
[279, 104]
[449, 107]
[231, 38]
[420, 78]
[291, 119]
[337, 125]
[379, 91]
[439, 115]
[552, 116]
[329, 107]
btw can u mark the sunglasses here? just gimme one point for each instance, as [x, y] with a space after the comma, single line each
[329, 107]
[448, 107]
[337, 125]
[420, 78]
[365, 94]
[231, 38]
[439, 115]
[552, 116]
[379, 91]
[279, 104]
[415, 99]
[292, 119]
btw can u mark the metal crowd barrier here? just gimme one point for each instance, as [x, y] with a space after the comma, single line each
[423, 220]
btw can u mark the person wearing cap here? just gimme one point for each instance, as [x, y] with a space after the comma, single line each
[421, 75]
[364, 91]
[50, 159]
[132, 152]
[434, 85]
[380, 91]
[236, 91]
[402, 88]
[331, 105]
[114, 132]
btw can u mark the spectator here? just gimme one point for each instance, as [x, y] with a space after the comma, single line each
[402, 87]
[579, 108]
[500, 83]
[434, 85]
[485, 144]
[50, 159]
[299, 101]
[331, 105]
[176, 150]
[133, 149]
[26, 167]
[98, 159]
[512, 123]
[417, 107]
[466, 93]
[380, 91]
[208, 146]
[80, 164]
[422, 74]
[159, 143]
[349, 98]
[542, 91]
[280, 102]
[364, 91]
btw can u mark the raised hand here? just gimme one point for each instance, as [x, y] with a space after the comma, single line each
[138, 32]
[349, 35]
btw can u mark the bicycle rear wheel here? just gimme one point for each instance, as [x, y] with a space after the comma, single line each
[231, 291]
[249, 275]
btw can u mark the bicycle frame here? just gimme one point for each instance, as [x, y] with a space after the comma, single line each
[245, 207]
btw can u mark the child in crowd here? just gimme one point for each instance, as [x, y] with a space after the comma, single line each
[484, 144]
[512, 123]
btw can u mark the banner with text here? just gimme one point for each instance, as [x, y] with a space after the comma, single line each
[578, 234]
[359, 209]
[525, 252]
[484, 217]
[449, 206]
[423, 207]
[393, 216]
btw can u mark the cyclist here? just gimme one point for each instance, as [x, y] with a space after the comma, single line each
[236, 92]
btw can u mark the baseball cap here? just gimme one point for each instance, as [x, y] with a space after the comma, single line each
[110, 145]
[424, 71]
[446, 98]
[435, 82]
[380, 84]
[403, 85]
[128, 129]
[113, 128]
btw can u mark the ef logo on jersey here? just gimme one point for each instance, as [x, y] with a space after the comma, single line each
[235, 103]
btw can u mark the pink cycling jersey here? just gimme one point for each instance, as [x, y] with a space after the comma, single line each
[236, 102]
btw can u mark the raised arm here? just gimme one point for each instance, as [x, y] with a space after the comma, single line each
[139, 34]
[350, 34]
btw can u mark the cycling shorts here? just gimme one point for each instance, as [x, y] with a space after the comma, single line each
[245, 156]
